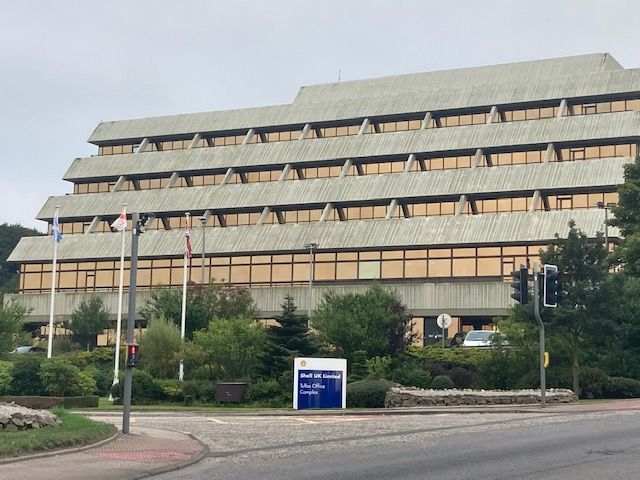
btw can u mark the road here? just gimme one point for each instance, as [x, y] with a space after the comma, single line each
[493, 446]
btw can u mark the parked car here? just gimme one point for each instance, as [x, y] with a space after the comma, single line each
[478, 338]
[29, 349]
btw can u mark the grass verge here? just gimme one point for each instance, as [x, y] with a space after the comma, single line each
[74, 431]
[105, 404]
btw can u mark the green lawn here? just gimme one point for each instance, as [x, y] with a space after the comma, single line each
[75, 430]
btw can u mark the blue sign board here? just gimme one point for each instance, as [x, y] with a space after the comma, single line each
[319, 383]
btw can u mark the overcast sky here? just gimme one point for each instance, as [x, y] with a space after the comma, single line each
[67, 65]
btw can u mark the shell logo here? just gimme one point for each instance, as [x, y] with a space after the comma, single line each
[303, 363]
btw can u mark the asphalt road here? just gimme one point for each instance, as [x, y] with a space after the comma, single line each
[476, 446]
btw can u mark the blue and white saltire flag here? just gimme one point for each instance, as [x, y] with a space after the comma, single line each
[56, 229]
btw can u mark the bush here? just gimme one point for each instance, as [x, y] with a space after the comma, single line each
[267, 392]
[592, 382]
[367, 393]
[621, 387]
[411, 376]
[60, 378]
[172, 390]
[378, 367]
[26, 378]
[469, 358]
[442, 382]
[6, 376]
[461, 377]
[144, 389]
[103, 378]
[199, 391]
[160, 348]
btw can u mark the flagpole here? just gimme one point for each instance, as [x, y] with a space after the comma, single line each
[53, 283]
[184, 296]
[116, 367]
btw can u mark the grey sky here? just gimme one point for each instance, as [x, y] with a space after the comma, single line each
[66, 65]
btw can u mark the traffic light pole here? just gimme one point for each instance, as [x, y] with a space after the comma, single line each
[131, 319]
[536, 310]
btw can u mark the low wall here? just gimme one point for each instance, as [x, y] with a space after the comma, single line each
[416, 397]
[50, 402]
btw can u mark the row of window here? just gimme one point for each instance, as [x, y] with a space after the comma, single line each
[265, 270]
[373, 168]
[409, 122]
[369, 212]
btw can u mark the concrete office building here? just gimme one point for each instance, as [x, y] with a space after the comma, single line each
[436, 184]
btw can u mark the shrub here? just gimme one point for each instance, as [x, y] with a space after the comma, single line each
[469, 358]
[6, 376]
[143, 388]
[26, 378]
[461, 377]
[199, 390]
[268, 392]
[172, 390]
[160, 347]
[378, 367]
[102, 376]
[442, 382]
[621, 387]
[60, 378]
[592, 382]
[411, 376]
[367, 393]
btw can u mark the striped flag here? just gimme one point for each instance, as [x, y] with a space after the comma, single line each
[120, 223]
[55, 230]
[187, 243]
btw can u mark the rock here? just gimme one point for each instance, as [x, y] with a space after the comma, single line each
[14, 417]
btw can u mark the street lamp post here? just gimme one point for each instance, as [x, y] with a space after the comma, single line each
[203, 223]
[311, 246]
[606, 207]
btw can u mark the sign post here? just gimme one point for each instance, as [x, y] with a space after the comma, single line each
[319, 383]
[443, 321]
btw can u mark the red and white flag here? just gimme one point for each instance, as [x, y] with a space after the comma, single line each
[187, 243]
[120, 223]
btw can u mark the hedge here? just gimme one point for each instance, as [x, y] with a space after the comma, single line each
[34, 401]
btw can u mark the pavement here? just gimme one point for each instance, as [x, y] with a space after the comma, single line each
[149, 451]
[142, 453]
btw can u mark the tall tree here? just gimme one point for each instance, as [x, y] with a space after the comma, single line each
[10, 235]
[288, 339]
[88, 320]
[203, 304]
[627, 219]
[160, 348]
[582, 314]
[11, 324]
[375, 321]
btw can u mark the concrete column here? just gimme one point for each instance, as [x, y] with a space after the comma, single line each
[119, 183]
[493, 115]
[341, 214]
[143, 145]
[264, 215]
[461, 204]
[263, 137]
[548, 155]
[227, 176]
[166, 223]
[194, 141]
[476, 161]
[280, 217]
[92, 226]
[285, 173]
[545, 203]
[221, 219]
[172, 180]
[136, 184]
[359, 169]
[318, 131]
[158, 146]
[300, 173]
[408, 165]
[426, 121]
[189, 181]
[249, 136]
[363, 127]
[326, 212]
[305, 131]
[392, 209]
[210, 142]
[346, 167]
[376, 127]
[243, 177]
[535, 201]
[562, 109]
[405, 210]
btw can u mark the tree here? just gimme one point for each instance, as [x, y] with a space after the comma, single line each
[288, 339]
[375, 321]
[229, 348]
[10, 235]
[11, 324]
[88, 320]
[160, 347]
[627, 219]
[582, 315]
[203, 304]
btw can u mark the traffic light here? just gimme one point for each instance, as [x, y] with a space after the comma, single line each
[133, 354]
[520, 285]
[551, 288]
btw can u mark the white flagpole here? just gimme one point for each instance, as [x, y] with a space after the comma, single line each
[184, 300]
[53, 287]
[116, 367]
